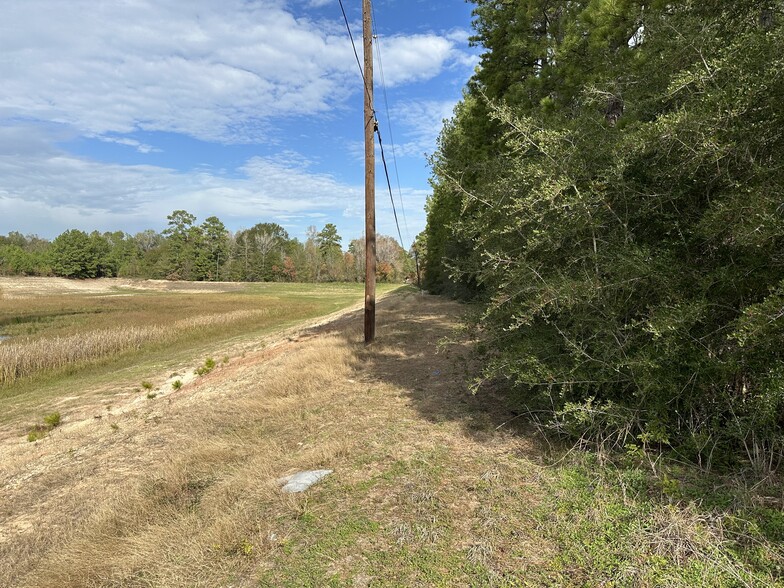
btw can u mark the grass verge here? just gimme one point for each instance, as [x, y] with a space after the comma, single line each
[429, 489]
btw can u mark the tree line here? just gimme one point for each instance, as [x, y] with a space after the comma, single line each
[186, 250]
[611, 190]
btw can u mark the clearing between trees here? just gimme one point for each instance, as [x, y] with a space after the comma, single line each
[432, 486]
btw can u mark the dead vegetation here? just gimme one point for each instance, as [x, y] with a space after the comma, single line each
[184, 494]
[19, 359]
[427, 489]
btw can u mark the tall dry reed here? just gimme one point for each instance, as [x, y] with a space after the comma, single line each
[24, 358]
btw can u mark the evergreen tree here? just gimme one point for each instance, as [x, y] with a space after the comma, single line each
[611, 186]
[331, 254]
[182, 238]
[213, 248]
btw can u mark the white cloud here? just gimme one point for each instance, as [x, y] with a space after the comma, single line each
[416, 125]
[413, 58]
[423, 121]
[217, 70]
[226, 71]
[47, 192]
[31, 139]
[460, 36]
[140, 147]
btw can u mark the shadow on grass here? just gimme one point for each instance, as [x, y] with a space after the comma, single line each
[419, 348]
[413, 351]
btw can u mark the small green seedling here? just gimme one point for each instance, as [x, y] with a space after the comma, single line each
[40, 431]
[209, 365]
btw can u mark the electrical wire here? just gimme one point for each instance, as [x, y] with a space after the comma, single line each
[389, 185]
[394, 158]
[354, 47]
[391, 138]
[378, 132]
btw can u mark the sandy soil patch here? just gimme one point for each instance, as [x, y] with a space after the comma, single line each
[24, 287]
[179, 490]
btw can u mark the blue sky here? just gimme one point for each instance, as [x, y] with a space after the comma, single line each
[115, 113]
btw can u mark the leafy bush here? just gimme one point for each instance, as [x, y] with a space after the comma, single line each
[616, 206]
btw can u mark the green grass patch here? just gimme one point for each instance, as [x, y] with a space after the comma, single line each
[584, 522]
[628, 526]
[206, 368]
[40, 431]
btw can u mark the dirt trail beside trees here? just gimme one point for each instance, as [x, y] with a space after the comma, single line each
[85, 505]
[431, 485]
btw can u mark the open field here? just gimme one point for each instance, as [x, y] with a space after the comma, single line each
[58, 332]
[431, 486]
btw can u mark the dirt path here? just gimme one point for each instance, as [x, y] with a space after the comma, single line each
[431, 486]
[84, 506]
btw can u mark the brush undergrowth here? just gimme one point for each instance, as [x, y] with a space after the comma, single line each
[429, 489]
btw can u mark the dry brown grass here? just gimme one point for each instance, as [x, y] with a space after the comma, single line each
[63, 325]
[185, 494]
[427, 489]
[192, 511]
[19, 359]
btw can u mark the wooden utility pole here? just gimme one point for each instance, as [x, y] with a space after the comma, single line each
[370, 178]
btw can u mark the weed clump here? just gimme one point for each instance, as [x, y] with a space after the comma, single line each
[40, 431]
[52, 420]
[209, 365]
[177, 384]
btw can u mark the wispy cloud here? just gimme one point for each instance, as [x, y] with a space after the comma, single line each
[52, 191]
[143, 73]
[137, 145]
[217, 71]
[415, 126]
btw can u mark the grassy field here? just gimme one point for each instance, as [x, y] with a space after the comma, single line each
[432, 486]
[62, 335]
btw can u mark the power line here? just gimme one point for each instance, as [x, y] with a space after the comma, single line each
[389, 185]
[391, 138]
[392, 200]
[378, 132]
[354, 47]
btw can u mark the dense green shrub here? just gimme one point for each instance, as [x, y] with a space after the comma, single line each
[612, 187]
